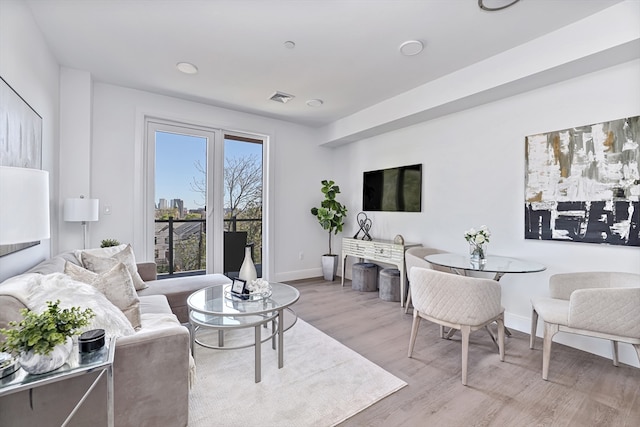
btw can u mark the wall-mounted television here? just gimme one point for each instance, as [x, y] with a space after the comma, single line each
[394, 189]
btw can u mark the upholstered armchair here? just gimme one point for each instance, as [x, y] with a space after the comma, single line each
[597, 304]
[458, 302]
[414, 257]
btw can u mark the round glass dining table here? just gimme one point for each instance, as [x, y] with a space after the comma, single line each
[462, 264]
[499, 265]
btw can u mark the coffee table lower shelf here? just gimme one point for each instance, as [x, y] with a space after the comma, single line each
[278, 320]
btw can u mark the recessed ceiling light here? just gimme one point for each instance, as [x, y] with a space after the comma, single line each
[187, 67]
[289, 44]
[411, 47]
[315, 102]
[493, 5]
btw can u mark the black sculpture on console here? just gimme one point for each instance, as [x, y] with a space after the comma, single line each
[365, 226]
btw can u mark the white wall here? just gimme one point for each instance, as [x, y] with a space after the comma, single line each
[29, 67]
[75, 148]
[297, 167]
[473, 174]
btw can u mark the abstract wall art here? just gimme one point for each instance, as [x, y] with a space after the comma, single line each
[583, 184]
[20, 140]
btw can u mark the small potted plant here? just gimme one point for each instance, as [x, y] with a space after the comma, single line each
[330, 215]
[42, 341]
[109, 242]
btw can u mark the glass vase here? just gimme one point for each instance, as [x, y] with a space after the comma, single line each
[478, 253]
[248, 269]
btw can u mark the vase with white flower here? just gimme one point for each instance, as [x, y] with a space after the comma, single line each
[478, 240]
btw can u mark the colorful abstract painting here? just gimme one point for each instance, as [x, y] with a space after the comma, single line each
[583, 184]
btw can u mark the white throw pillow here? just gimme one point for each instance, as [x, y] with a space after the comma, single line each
[99, 264]
[116, 284]
[103, 252]
[71, 293]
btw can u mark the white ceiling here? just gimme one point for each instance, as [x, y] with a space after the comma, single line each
[346, 50]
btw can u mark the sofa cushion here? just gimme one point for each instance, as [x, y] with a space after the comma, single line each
[154, 304]
[71, 293]
[116, 284]
[99, 264]
[178, 289]
[102, 252]
[55, 264]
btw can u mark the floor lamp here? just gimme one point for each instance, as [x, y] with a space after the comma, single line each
[24, 205]
[81, 210]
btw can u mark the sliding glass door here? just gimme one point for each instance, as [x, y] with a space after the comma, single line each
[204, 197]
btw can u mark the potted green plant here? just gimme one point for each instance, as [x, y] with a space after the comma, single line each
[42, 341]
[109, 242]
[330, 215]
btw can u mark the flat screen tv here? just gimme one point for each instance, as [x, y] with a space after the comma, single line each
[395, 189]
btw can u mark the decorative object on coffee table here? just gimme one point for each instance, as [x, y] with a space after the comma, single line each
[330, 215]
[248, 268]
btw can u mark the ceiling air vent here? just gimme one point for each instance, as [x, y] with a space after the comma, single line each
[281, 97]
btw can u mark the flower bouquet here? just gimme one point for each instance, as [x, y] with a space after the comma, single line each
[477, 240]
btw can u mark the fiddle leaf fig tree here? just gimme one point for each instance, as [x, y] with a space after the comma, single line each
[331, 213]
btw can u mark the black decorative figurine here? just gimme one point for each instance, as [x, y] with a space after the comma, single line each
[365, 226]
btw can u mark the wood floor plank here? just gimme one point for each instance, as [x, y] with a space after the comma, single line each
[583, 389]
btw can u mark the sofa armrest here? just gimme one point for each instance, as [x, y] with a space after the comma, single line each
[147, 271]
[151, 372]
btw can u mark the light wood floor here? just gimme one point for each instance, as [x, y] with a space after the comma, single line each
[583, 389]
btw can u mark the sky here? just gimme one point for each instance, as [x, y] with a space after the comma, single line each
[176, 157]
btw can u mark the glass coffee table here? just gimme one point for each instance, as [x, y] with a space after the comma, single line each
[216, 308]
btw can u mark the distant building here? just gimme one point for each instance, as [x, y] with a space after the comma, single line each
[162, 204]
[179, 205]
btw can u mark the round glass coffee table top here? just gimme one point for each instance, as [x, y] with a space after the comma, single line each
[215, 307]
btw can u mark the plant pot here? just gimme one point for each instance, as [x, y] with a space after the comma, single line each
[329, 267]
[41, 363]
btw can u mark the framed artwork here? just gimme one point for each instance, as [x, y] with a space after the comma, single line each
[20, 140]
[583, 184]
[238, 287]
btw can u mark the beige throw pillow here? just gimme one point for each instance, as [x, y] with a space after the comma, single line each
[116, 284]
[103, 252]
[99, 264]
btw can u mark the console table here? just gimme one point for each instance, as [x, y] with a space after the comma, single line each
[385, 251]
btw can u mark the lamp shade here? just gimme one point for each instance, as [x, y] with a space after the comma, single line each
[24, 205]
[80, 210]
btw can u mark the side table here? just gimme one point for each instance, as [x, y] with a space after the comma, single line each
[78, 364]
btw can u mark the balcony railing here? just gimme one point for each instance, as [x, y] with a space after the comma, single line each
[180, 244]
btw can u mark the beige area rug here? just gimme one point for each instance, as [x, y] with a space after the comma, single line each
[322, 382]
